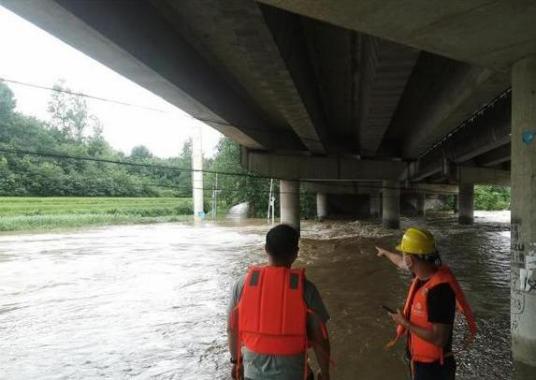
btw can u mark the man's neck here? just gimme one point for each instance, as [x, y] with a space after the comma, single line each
[426, 272]
[271, 263]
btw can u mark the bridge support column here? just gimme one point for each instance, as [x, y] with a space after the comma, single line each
[321, 206]
[465, 203]
[391, 204]
[523, 180]
[421, 200]
[375, 204]
[289, 201]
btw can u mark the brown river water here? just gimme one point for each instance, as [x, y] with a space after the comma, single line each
[149, 301]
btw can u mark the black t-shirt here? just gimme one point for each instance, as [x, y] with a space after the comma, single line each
[441, 302]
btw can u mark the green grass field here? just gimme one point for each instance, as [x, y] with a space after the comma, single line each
[44, 213]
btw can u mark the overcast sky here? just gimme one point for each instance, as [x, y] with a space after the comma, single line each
[30, 54]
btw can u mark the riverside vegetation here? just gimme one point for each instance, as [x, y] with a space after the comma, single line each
[45, 213]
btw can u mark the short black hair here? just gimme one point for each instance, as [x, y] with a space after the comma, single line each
[282, 242]
[431, 258]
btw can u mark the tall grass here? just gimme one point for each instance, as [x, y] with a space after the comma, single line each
[28, 214]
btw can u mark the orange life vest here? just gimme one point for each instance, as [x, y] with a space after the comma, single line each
[416, 310]
[272, 314]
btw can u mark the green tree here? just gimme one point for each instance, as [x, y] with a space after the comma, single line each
[68, 112]
[68, 134]
[140, 153]
[7, 102]
[183, 181]
[492, 197]
[237, 188]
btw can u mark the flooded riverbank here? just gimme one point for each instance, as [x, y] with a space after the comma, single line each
[149, 301]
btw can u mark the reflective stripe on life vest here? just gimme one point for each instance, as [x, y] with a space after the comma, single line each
[272, 314]
[416, 311]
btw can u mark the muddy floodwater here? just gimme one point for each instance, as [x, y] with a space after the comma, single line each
[149, 301]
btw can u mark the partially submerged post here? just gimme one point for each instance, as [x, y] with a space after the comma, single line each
[391, 204]
[375, 203]
[290, 203]
[321, 206]
[466, 203]
[420, 204]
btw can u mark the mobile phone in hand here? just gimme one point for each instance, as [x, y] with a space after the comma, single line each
[388, 309]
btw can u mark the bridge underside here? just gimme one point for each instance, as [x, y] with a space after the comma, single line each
[309, 83]
[343, 96]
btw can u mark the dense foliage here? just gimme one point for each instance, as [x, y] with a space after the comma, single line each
[492, 197]
[237, 189]
[72, 131]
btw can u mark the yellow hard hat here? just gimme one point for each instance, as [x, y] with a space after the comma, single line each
[417, 241]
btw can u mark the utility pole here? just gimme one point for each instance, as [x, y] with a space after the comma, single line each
[197, 173]
[271, 204]
[215, 199]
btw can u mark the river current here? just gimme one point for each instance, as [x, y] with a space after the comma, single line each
[149, 301]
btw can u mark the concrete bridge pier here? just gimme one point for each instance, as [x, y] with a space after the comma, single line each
[523, 229]
[391, 204]
[375, 204]
[465, 203]
[421, 200]
[290, 203]
[321, 206]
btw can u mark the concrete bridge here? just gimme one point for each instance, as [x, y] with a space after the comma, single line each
[335, 95]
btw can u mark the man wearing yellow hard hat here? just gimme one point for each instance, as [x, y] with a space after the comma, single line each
[428, 314]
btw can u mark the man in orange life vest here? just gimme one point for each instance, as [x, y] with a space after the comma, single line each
[275, 315]
[429, 311]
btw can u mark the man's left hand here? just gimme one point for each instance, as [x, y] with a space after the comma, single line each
[399, 318]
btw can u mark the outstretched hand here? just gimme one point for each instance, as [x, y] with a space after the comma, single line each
[381, 252]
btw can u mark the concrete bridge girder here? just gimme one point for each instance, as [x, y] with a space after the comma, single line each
[341, 187]
[495, 157]
[438, 100]
[366, 187]
[467, 174]
[321, 168]
[483, 176]
[461, 30]
[489, 132]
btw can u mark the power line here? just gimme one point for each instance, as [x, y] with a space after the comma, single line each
[126, 104]
[60, 156]
[81, 94]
